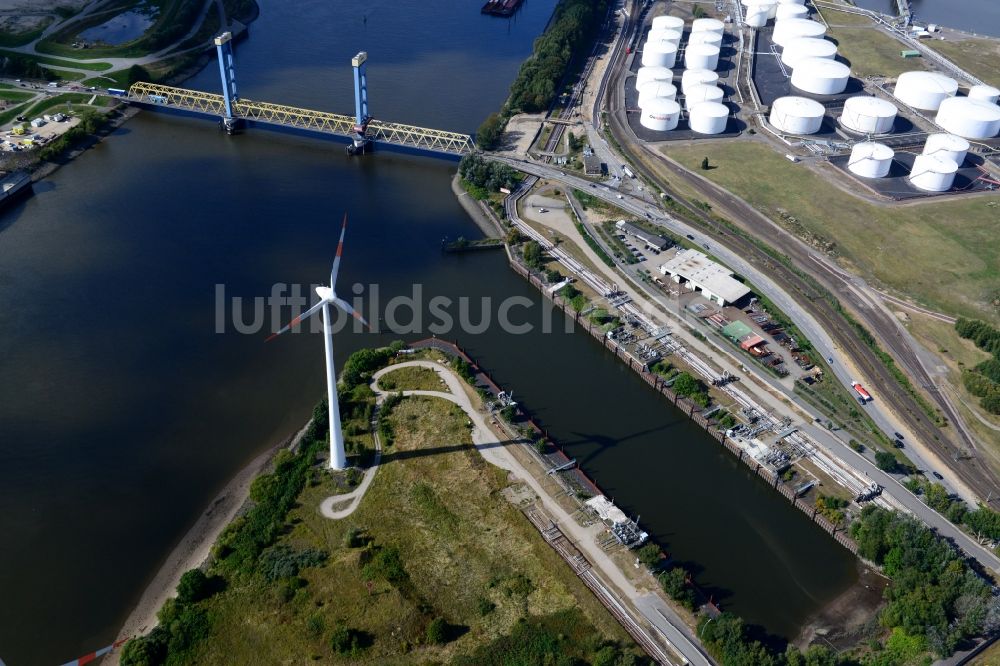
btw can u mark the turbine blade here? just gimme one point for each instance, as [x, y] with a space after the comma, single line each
[340, 251]
[305, 315]
[346, 307]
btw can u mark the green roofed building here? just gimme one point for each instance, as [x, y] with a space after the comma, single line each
[736, 331]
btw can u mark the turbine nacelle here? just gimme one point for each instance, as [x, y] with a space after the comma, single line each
[326, 294]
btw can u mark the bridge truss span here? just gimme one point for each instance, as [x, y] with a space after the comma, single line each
[379, 131]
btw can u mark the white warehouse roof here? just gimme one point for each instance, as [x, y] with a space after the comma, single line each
[697, 268]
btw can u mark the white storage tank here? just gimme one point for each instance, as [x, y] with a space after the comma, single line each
[870, 159]
[820, 76]
[702, 93]
[791, 2]
[950, 146]
[757, 15]
[659, 53]
[971, 118]
[932, 173]
[647, 74]
[711, 38]
[695, 77]
[701, 56]
[667, 35]
[924, 90]
[985, 93]
[708, 118]
[787, 30]
[791, 11]
[660, 114]
[668, 23]
[870, 115]
[797, 115]
[652, 89]
[771, 5]
[807, 47]
[708, 25]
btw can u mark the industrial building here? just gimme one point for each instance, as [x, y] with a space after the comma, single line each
[652, 240]
[701, 274]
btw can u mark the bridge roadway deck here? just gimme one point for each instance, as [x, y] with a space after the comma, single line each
[212, 104]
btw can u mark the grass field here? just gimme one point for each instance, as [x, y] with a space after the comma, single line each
[412, 378]
[943, 252]
[978, 56]
[872, 52]
[22, 38]
[435, 538]
[74, 99]
[60, 62]
[15, 95]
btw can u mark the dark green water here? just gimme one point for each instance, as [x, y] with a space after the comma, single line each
[122, 412]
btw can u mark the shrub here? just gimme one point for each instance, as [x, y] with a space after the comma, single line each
[885, 461]
[437, 632]
[193, 586]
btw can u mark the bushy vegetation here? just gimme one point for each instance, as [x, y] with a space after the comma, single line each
[485, 175]
[362, 364]
[935, 599]
[90, 122]
[595, 246]
[533, 255]
[575, 297]
[490, 132]
[574, 25]
[983, 381]
[687, 386]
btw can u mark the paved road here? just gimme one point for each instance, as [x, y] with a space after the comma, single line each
[810, 327]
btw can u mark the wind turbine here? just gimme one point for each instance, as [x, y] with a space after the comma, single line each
[328, 297]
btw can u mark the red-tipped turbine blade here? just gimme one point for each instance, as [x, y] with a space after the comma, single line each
[340, 251]
[346, 307]
[305, 315]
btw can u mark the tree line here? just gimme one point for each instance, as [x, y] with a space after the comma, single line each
[983, 381]
[574, 23]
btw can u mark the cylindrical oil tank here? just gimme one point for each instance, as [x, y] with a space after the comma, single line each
[971, 118]
[702, 93]
[660, 114]
[647, 74]
[791, 2]
[711, 38]
[932, 173]
[757, 15]
[870, 115]
[694, 77]
[790, 11]
[949, 146]
[708, 25]
[787, 30]
[985, 93]
[665, 34]
[924, 90]
[797, 115]
[870, 159]
[701, 56]
[659, 53]
[668, 23]
[708, 118]
[807, 47]
[652, 89]
[820, 76]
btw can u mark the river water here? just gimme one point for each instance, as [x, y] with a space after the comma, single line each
[977, 16]
[122, 411]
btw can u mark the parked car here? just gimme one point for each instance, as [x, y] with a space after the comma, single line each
[898, 436]
[938, 476]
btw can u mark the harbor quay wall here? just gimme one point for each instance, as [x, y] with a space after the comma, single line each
[692, 410]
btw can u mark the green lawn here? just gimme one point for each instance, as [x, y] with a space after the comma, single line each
[15, 95]
[978, 56]
[943, 252]
[60, 62]
[872, 52]
[10, 114]
[467, 555]
[76, 99]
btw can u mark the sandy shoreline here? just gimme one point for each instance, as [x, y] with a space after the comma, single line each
[195, 547]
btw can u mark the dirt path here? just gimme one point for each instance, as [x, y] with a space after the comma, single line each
[495, 452]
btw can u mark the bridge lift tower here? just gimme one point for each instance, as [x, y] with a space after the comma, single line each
[224, 47]
[361, 142]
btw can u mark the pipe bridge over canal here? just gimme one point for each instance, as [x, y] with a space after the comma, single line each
[377, 131]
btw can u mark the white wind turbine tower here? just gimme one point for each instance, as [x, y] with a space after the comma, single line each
[328, 297]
